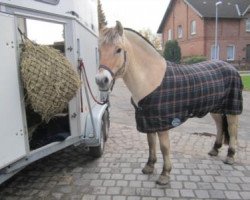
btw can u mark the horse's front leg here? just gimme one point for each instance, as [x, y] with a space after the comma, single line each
[233, 131]
[165, 150]
[149, 167]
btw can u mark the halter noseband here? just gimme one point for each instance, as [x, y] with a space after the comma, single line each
[108, 69]
[114, 75]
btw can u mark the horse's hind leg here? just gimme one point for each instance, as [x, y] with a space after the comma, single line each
[149, 167]
[232, 121]
[219, 137]
[165, 150]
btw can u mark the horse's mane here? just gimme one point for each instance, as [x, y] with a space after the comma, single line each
[111, 36]
[139, 34]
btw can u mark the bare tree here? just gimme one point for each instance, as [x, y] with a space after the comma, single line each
[153, 38]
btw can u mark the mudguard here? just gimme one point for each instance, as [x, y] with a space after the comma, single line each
[92, 134]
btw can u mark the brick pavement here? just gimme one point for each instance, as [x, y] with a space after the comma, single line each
[72, 174]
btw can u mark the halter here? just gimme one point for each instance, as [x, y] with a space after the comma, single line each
[114, 75]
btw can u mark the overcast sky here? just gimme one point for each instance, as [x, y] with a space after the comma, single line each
[136, 14]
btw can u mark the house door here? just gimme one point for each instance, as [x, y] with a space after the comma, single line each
[248, 53]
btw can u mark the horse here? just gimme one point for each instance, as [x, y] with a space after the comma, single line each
[126, 54]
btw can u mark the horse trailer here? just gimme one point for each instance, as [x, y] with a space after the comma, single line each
[72, 28]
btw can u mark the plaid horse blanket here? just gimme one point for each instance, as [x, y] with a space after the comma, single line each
[190, 91]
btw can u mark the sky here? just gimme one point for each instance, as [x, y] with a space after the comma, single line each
[38, 31]
[135, 14]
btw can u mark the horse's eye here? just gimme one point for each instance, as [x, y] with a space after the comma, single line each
[118, 50]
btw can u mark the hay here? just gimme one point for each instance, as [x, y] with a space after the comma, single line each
[48, 78]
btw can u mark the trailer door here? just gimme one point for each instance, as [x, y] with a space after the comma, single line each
[12, 139]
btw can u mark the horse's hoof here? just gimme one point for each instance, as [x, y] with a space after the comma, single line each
[163, 180]
[229, 161]
[148, 169]
[213, 152]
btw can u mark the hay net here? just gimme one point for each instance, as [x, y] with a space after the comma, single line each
[49, 79]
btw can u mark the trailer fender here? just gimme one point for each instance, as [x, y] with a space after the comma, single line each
[92, 134]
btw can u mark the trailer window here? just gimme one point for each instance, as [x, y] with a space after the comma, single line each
[46, 33]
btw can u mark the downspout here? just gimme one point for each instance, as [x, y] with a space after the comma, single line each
[173, 37]
[187, 24]
[239, 31]
[204, 38]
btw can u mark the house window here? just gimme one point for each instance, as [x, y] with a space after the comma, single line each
[213, 52]
[169, 34]
[179, 31]
[193, 27]
[230, 52]
[248, 25]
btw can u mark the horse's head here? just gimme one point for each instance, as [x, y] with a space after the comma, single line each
[112, 56]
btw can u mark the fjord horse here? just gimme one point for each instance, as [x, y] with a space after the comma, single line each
[125, 54]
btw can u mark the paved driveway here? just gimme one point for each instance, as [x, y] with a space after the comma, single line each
[72, 174]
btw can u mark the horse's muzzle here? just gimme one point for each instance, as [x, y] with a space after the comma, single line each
[104, 80]
[102, 83]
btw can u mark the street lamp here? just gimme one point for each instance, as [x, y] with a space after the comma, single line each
[216, 29]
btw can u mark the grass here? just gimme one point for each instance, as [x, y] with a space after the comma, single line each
[246, 82]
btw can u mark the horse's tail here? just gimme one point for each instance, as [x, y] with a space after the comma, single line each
[225, 129]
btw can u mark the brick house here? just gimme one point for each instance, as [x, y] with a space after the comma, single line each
[192, 24]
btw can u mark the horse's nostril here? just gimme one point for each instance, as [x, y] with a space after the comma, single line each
[97, 80]
[106, 80]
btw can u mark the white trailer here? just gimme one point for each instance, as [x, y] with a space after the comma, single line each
[84, 121]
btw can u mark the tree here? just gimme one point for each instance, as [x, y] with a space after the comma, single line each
[172, 51]
[101, 16]
[154, 39]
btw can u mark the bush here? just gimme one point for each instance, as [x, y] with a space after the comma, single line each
[194, 59]
[172, 51]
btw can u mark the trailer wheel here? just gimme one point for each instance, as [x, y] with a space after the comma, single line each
[97, 151]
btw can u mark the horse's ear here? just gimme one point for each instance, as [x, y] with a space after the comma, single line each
[119, 28]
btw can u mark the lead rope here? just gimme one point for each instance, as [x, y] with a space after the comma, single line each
[83, 71]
